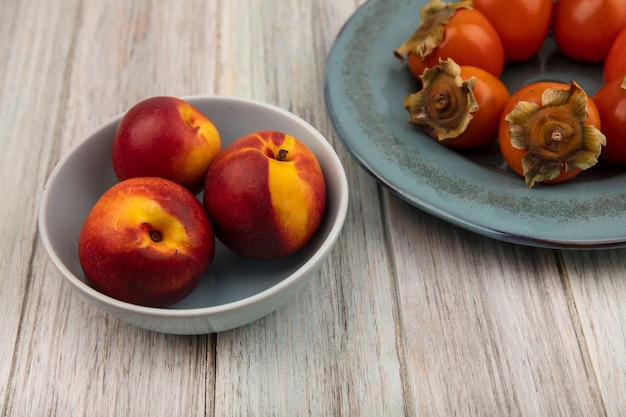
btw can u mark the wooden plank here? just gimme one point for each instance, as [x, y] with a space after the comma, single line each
[596, 281]
[332, 350]
[35, 46]
[485, 326]
[73, 359]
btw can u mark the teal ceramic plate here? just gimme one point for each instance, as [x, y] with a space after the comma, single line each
[365, 86]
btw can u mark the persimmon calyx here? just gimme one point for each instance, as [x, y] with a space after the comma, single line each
[444, 105]
[429, 34]
[554, 134]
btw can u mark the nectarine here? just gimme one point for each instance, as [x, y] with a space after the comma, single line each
[147, 241]
[265, 194]
[165, 137]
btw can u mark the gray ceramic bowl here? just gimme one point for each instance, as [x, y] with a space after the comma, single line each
[235, 291]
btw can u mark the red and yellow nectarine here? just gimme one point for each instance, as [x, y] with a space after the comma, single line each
[266, 195]
[147, 241]
[165, 137]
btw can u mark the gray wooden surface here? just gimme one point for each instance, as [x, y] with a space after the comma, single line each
[410, 315]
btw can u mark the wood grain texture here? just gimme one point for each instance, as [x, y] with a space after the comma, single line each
[34, 38]
[493, 337]
[71, 358]
[76, 360]
[332, 350]
[597, 285]
[410, 316]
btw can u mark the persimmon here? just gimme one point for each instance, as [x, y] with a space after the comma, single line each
[460, 106]
[523, 25]
[584, 30]
[615, 62]
[452, 30]
[550, 132]
[610, 100]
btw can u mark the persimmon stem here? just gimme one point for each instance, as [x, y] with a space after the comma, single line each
[442, 101]
[556, 135]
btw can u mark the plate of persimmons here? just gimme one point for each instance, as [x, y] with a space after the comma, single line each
[504, 117]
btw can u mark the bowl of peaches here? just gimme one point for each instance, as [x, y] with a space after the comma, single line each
[194, 215]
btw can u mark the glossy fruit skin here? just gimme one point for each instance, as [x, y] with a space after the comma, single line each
[615, 62]
[120, 256]
[165, 137]
[610, 100]
[469, 39]
[491, 95]
[263, 208]
[532, 93]
[521, 24]
[584, 30]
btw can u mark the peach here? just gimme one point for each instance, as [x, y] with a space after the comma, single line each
[165, 137]
[265, 194]
[146, 241]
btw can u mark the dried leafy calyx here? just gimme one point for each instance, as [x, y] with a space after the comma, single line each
[429, 34]
[554, 134]
[444, 105]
